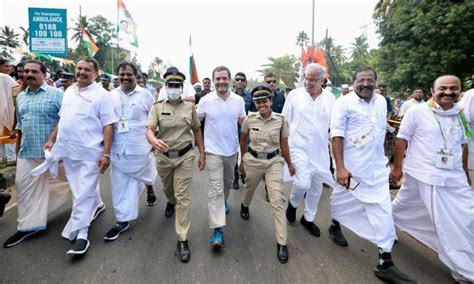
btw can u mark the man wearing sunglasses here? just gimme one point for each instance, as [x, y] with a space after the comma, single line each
[278, 96]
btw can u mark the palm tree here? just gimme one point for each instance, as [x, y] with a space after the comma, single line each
[285, 69]
[360, 48]
[26, 35]
[81, 22]
[302, 40]
[9, 38]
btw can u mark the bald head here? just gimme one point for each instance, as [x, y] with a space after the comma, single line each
[446, 90]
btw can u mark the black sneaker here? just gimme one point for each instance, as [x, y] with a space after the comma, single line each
[169, 209]
[183, 251]
[235, 185]
[312, 228]
[115, 232]
[99, 211]
[151, 199]
[79, 246]
[392, 274]
[244, 212]
[282, 253]
[335, 233]
[17, 238]
[4, 198]
[290, 213]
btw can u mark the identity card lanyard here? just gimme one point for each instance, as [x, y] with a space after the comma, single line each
[123, 121]
[445, 137]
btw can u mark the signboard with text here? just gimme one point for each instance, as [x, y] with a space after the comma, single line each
[48, 31]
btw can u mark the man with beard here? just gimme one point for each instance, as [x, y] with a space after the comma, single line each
[222, 109]
[206, 89]
[416, 99]
[83, 139]
[435, 203]
[37, 110]
[308, 112]
[361, 199]
[133, 163]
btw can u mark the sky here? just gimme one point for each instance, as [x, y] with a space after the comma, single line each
[238, 34]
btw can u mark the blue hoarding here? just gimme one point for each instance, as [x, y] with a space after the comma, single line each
[48, 31]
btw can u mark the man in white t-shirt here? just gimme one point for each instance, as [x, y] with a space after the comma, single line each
[416, 99]
[222, 109]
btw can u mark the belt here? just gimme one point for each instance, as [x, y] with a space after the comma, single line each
[178, 153]
[261, 155]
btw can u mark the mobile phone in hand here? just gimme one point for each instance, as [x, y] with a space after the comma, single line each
[353, 183]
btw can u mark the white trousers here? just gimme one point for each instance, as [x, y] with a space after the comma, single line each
[370, 221]
[128, 176]
[313, 194]
[8, 149]
[83, 177]
[442, 218]
[35, 197]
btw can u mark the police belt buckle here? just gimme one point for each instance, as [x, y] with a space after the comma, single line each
[173, 154]
[262, 155]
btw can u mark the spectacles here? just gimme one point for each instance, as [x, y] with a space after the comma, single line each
[312, 80]
[240, 79]
[271, 81]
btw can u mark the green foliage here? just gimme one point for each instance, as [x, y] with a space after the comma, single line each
[302, 39]
[285, 69]
[8, 38]
[424, 39]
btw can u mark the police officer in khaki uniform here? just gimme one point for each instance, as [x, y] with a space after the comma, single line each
[176, 121]
[263, 158]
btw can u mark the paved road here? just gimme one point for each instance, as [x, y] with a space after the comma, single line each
[146, 252]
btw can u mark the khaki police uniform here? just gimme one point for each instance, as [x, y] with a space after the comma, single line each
[175, 168]
[264, 143]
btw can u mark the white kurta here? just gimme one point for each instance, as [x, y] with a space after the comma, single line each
[365, 210]
[7, 109]
[308, 121]
[436, 206]
[83, 116]
[133, 164]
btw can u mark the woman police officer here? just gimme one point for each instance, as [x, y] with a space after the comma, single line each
[263, 159]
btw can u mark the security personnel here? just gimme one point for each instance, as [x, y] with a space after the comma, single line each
[262, 159]
[176, 121]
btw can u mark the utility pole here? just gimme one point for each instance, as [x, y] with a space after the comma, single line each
[312, 27]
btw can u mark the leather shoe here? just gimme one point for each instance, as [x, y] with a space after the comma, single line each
[244, 212]
[335, 233]
[291, 213]
[282, 253]
[392, 274]
[183, 252]
[312, 228]
[169, 209]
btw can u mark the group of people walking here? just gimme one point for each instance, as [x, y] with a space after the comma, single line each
[89, 128]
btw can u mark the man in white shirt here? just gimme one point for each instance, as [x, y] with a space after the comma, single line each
[222, 109]
[361, 199]
[416, 99]
[83, 139]
[435, 204]
[467, 102]
[133, 163]
[308, 112]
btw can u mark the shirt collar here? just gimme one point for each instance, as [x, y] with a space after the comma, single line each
[353, 96]
[41, 88]
[272, 116]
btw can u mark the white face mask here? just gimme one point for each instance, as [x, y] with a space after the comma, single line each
[174, 94]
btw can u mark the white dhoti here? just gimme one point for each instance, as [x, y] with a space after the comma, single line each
[366, 211]
[83, 177]
[128, 175]
[442, 218]
[35, 198]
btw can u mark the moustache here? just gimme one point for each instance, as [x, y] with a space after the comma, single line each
[125, 80]
[30, 78]
[446, 95]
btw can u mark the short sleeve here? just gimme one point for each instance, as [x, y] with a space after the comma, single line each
[285, 130]
[408, 125]
[106, 110]
[245, 126]
[153, 116]
[242, 109]
[338, 119]
[201, 109]
[196, 120]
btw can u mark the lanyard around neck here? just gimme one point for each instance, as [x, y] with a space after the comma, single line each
[445, 137]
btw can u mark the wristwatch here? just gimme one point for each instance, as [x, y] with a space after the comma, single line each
[107, 155]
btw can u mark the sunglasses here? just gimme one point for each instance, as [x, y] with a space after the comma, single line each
[271, 81]
[240, 79]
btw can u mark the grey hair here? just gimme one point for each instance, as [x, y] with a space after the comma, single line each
[316, 67]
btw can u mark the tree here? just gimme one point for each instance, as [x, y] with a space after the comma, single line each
[360, 50]
[8, 38]
[285, 69]
[424, 39]
[26, 35]
[302, 40]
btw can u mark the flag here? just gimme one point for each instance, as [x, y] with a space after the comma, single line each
[126, 28]
[88, 43]
[193, 76]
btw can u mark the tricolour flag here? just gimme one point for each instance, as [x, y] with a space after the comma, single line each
[193, 76]
[126, 28]
[88, 43]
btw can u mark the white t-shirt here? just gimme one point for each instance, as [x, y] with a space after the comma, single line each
[83, 116]
[408, 104]
[421, 130]
[134, 108]
[220, 132]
